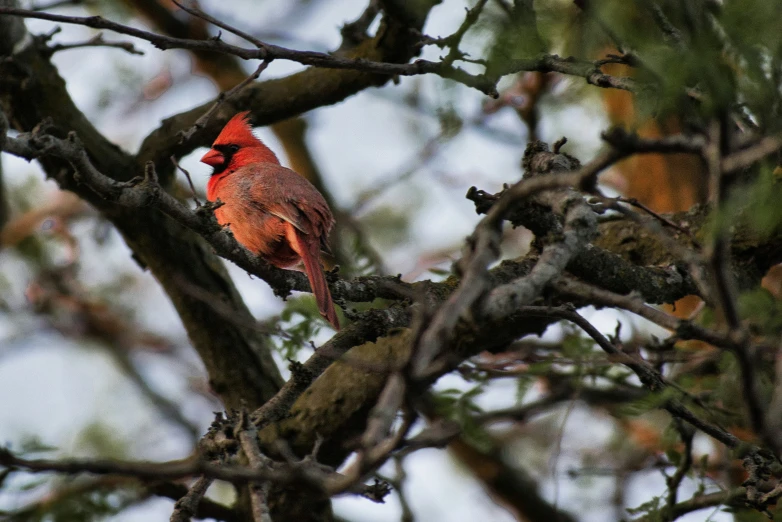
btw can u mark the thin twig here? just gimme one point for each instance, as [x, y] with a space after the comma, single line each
[724, 294]
[397, 482]
[662, 219]
[195, 11]
[427, 153]
[201, 122]
[175, 491]
[356, 31]
[318, 476]
[684, 329]
[648, 375]
[455, 39]
[670, 31]
[689, 254]
[380, 450]
[674, 481]
[266, 51]
[735, 497]
[631, 142]
[189, 180]
[95, 41]
[744, 158]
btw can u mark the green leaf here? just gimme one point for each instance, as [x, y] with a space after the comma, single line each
[647, 403]
[34, 444]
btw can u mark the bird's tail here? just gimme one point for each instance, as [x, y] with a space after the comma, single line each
[310, 254]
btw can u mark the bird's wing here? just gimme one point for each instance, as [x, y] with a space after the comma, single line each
[295, 200]
[292, 214]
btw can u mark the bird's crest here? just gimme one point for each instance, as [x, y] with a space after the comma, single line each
[238, 131]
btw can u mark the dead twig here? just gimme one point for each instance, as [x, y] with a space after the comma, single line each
[189, 180]
[201, 122]
[95, 41]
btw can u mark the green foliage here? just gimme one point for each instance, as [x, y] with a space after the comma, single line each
[762, 199]
[651, 510]
[728, 392]
[751, 208]
[523, 385]
[703, 467]
[99, 439]
[589, 362]
[674, 456]
[752, 28]
[698, 383]
[762, 310]
[540, 368]
[33, 444]
[649, 402]
[460, 406]
[5, 285]
[76, 505]
[357, 259]
[389, 223]
[724, 54]
[516, 36]
[451, 123]
[302, 323]
[22, 198]
[442, 272]
[69, 499]
[576, 345]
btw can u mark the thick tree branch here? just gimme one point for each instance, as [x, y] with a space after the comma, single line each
[170, 470]
[141, 194]
[231, 352]
[237, 359]
[483, 248]
[70, 149]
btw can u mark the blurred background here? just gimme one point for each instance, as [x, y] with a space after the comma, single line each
[94, 361]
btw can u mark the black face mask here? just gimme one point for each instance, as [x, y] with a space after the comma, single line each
[228, 152]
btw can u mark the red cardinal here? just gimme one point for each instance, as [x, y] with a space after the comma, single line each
[272, 211]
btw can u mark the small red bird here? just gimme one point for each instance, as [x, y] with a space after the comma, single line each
[272, 210]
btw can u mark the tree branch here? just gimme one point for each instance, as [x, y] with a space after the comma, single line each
[95, 41]
[142, 193]
[186, 507]
[237, 359]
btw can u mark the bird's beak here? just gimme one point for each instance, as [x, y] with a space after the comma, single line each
[213, 158]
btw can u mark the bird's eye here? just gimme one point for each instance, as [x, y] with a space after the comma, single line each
[233, 148]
